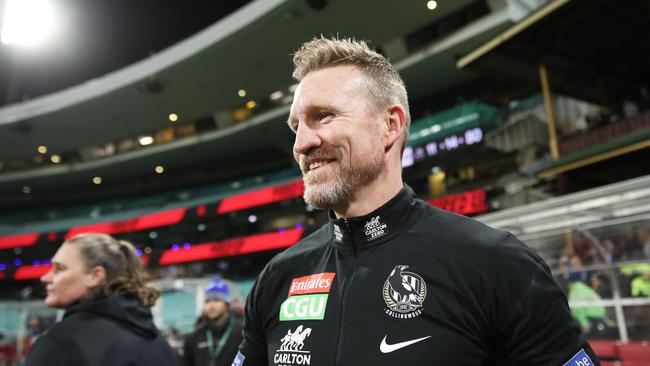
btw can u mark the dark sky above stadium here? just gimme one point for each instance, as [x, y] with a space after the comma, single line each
[100, 36]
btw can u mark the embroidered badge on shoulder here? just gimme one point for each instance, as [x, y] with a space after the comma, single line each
[580, 359]
[239, 360]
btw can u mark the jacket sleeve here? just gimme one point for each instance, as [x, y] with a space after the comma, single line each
[49, 351]
[536, 326]
[252, 350]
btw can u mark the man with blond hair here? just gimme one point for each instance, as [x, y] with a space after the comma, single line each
[391, 280]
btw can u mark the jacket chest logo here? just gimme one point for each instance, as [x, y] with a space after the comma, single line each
[307, 298]
[404, 293]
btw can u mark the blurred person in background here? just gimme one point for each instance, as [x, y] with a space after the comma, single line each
[592, 318]
[99, 281]
[600, 283]
[34, 329]
[217, 335]
[611, 251]
[237, 307]
[645, 248]
[392, 280]
[640, 285]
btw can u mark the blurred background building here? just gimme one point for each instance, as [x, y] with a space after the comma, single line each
[163, 123]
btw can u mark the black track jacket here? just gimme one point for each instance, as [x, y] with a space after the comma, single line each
[115, 331]
[409, 284]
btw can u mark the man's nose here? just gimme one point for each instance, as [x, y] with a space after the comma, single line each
[306, 139]
[47, 277]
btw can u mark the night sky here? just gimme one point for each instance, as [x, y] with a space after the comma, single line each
[100, 36]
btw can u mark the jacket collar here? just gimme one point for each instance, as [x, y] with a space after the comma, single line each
[357, 233]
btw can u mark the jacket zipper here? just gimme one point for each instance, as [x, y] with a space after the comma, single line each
[346, 286]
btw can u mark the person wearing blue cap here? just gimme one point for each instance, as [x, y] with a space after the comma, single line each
[218, 333]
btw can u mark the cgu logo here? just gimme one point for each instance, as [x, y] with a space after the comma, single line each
[304, 307]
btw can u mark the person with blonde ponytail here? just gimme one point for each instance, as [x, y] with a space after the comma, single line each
[100, 282]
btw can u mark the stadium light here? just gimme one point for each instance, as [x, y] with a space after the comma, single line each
[146, 140]
[27, 22]
[277, 95]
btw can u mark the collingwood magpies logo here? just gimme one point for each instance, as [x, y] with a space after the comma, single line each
[404, 292]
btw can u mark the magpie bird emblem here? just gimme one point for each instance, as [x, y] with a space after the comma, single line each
[404, 291]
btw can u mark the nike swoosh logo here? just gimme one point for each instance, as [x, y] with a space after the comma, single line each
[388, 348]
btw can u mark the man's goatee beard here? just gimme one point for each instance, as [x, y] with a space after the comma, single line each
[348, 181]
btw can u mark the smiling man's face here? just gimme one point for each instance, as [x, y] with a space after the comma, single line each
[338, 135]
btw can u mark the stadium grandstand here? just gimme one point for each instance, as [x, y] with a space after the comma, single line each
[164, 125]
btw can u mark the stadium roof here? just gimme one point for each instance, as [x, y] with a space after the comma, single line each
[582, 43]
[200, 76]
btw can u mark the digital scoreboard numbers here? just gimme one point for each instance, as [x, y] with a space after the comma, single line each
[415, 154]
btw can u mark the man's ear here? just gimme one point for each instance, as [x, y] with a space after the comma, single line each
[395, 125]
[96, 277]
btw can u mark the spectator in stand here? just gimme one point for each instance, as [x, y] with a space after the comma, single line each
[631, 272]
[35, 328]
[592, 318]
[216, 338]
[611, 251]
[600, 284]
[641, 284]
[99, 281]
[575, 269]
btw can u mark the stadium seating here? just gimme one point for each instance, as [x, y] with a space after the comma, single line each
[613, 353]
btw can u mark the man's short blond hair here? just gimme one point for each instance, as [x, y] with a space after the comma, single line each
[384, 84]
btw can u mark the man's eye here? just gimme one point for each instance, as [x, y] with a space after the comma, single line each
[323, 115]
